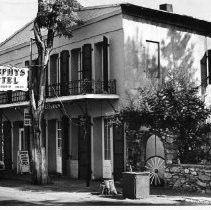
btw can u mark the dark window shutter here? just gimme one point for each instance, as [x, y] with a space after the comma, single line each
[105, 63]
[64, 71]
[53, 68]
[87, 62]
[203, 74]
[209, 65]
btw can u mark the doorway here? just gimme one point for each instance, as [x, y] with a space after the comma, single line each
[119, 153]
[155, 160]
[59, 147]
[84, 148]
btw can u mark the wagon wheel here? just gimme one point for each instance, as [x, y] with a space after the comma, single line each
[156, 166]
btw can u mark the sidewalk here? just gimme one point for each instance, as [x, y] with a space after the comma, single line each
[17, 190]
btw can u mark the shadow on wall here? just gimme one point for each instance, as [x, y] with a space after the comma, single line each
[150, 63]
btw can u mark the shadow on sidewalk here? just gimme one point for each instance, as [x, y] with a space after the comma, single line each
[66, 184]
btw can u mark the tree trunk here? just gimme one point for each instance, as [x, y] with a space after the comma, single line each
[37, 105]
[39, 164]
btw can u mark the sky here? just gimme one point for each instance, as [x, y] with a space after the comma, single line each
[14, 14]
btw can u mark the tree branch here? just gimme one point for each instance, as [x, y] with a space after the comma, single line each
[38, 37]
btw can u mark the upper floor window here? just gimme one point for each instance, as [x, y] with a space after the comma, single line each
[205, 71]
[153, 59]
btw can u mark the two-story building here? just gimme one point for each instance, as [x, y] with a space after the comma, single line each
[117, 49]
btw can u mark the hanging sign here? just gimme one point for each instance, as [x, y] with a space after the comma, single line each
[27, 117]
[23, 162]
[12, 78]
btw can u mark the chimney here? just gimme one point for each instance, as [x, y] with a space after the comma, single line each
[166, 7]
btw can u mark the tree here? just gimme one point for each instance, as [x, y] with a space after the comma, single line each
[173, 108]
[57, 17]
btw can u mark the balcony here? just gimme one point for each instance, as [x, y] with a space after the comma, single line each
[71, 88]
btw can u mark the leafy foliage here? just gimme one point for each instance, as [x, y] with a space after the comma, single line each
[58, 15]
[172, 108]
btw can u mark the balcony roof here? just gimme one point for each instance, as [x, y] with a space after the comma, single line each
[65, 99]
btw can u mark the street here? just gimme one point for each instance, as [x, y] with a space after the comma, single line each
[69, 192]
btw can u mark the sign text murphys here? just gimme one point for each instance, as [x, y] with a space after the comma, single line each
[12, 78]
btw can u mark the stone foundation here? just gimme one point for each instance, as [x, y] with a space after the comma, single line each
[188, 177]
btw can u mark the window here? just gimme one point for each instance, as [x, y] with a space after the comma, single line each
[205, 75]
[26, 63]
[153, 59]
[102, 63]
[54, 69]
[76, 64]
[107, 140]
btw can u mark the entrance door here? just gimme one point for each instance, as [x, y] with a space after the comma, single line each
[118, 152]
[107, 159]
[84, 148]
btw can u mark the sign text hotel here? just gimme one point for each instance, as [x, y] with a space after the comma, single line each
[12, 78]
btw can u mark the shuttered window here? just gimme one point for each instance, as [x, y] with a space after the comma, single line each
[203, 74]
[64, 72]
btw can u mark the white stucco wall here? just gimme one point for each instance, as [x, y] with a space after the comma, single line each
[137, 31]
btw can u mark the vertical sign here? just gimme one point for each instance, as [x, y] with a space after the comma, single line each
[23, 162]
[27, 118]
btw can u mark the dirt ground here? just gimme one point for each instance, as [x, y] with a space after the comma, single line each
[63, 191]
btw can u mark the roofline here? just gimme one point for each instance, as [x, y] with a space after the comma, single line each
[81, 9]
[183, 21]
[99, 7]
[174, 19]
[15, 33]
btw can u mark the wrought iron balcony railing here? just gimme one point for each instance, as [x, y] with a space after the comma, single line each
[77, 87]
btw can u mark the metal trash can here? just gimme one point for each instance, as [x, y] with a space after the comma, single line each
[136, 185]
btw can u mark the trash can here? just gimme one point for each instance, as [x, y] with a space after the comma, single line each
[136, 185]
